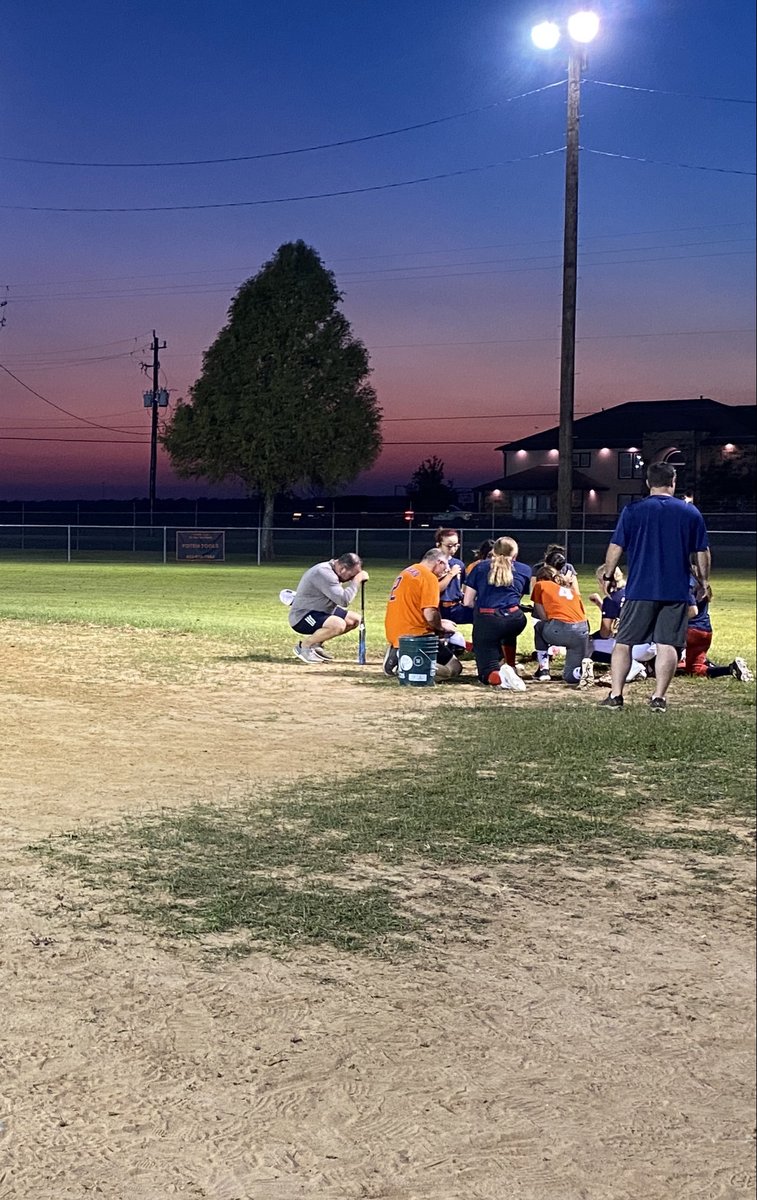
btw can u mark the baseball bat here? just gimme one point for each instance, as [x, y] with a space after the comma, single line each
[361, 648]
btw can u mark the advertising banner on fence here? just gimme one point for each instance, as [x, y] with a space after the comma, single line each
[200, 545]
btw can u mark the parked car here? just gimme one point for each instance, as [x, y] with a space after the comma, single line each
[452, 516]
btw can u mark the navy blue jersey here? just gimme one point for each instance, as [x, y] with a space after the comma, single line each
[489, 595]
[612, 604]
[453, 593]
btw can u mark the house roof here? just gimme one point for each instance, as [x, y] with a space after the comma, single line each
[541, 479]
[625, 424]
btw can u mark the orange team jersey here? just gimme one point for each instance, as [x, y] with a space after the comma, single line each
[415, 589]
[559, 602]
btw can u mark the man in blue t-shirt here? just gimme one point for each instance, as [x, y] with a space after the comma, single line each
[659, 536]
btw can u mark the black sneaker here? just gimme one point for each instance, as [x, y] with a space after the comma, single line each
[389, 665]
[613, 703]
[542, 676]
[658, 704]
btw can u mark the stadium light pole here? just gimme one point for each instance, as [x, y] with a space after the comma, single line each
[582, 28]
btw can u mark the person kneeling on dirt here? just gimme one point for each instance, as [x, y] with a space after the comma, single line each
[413, 609]
[560, 621]
[320, 608]
[495, 588]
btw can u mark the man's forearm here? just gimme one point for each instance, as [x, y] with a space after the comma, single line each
[433, 619]
[704, 564]
[612, 558]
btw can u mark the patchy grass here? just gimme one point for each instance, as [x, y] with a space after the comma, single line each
[329, 860]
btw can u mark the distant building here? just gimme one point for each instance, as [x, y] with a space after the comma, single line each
[712, 446]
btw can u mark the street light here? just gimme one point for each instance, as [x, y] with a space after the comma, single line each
[495, 496]
[582, 28]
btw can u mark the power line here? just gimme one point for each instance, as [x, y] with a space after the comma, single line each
[553, 337]
[379, 276]
[78, 441]
[377, 187]
[357, 258]
[59, 407]
[659, 162]
[627, 87]
[370, 137]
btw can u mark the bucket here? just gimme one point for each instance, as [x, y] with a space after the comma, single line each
[416, 666]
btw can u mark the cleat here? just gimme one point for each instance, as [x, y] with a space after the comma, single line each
[305, 654]
[741, 671]
[612, 703]
[658, 704]
[542, 676]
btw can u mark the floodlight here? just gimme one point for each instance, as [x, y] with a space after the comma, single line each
[583, 26]
[546, 35]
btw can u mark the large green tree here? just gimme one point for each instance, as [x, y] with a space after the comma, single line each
[283, 399]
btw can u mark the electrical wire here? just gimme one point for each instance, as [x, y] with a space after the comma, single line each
[370, 137]
[78, 441]
[659, 162]
[365, 257]
[627, 87]
[377, 187]
[52, 404]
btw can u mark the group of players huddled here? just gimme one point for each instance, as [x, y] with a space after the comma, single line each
[654, 624]
[489, 593]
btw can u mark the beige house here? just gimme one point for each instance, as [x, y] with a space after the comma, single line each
[703, 438]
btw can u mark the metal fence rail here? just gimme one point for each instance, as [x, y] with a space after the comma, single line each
[124, 543]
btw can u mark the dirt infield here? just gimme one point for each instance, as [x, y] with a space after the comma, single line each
[590, 1040]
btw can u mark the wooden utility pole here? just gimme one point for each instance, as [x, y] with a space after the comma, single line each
[570, 272]
[156, 346]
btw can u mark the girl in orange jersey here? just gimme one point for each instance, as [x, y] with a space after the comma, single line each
[560, 621]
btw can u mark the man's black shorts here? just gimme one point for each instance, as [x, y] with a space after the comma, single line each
[314, 620]
[661, 621]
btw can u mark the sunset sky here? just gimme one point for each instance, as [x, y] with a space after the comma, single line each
[453, 283]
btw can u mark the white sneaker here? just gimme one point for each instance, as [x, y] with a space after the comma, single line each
[305, 654]
[324, 657]
[510, 679]
[741, 671]
[586, 678]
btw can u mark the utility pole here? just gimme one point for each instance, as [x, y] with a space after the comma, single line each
[154, 400]
[570, 271]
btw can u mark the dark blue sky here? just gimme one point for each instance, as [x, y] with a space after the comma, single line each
[454, 284]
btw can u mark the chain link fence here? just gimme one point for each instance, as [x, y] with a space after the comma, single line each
[243, 545]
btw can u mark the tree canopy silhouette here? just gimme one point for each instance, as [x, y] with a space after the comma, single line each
[283, 399]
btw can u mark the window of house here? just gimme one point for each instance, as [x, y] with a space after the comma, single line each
[582, 458]
[527, 506]
[629, 465]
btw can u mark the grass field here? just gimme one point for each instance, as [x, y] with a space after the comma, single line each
[278, 931]
[242, 602]
[563, 779]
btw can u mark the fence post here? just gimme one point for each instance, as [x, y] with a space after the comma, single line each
[260, 538]
[68, 543]
[165, 544]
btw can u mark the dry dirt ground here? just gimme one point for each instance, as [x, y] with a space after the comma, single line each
[594, 1042]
